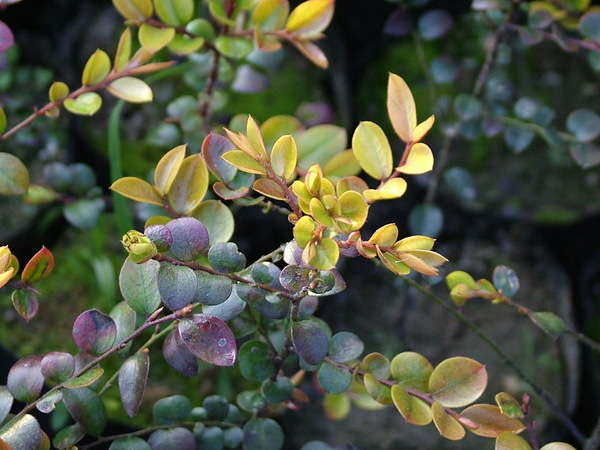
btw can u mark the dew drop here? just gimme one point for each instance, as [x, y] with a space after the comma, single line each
[222, 342]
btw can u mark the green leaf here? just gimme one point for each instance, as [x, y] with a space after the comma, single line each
[401, 108]
[509, 405]
[411, 370]
[457, 381]
[68, 436]
[323, 254]
[377, 365]
[413, 409]
[132, 381]
[137, 189]
[255, 361]
[154, 38]
[131, 90]
[467, 107]
[172, 410]
[177, 285]
[129, 443]
[217, 218]
[86, 379]
[457, 277]
[345, 346]
[136, 10]
[336, 406]
[277, 391]
[86, 407]
[175, 12]
[189, 185]
[58, 91]
[263, 434]
[354, 209]
[319, 144]
[167, 168]
[14, 176]
[123, 50]
[377, 390]
[96, 69]
[584, 124]
[84, 105]
[419, 160]
[506, 280]
[2, 121]
[243, 161]
[234, 47]
[372, 150]
[518, 138]
[589, 25]
[310, 341]
[447, 425]
[182, 44]
[490, 421]
[271, 14]
[84, 213]
[139, 286]
[511, 441]
[334, 379]
[549, 322]
[310, 18]
[39, 266]
[284, 156]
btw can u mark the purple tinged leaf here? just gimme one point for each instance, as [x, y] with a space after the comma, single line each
[178, 355]
[213, 148]
[177, 285]
[7, 38]
[179, 438]
[25, 303]
[58, 366]
[94, 332]
[132, 381]
[209, 338]
[86, 407]
[48, 402]
[310, 341]
[6, 401]
[435, 24]
[25, 380]
[398, 23]
[124, 318]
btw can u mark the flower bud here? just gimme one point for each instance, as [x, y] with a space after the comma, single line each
[139, 246]
[8, 265]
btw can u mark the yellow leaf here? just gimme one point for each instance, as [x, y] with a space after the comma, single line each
[557, 446]
[420, 160]
[58, 91]
[394, 188]
[137, 10]
[189, 185]
[86, 104]
[167, 168]
[154, 38]
[510, 441]
[6, 275]
[323, 255]
[271, 14]
[130, 89]
[312, 52]
[401, 108]
[303, 231]
[96, 69]
[123, 50]
[284, 157]
[372, 150]
[490, 421]
[422, 129]
[138, 190]
[309, 19]
[393, 263]
[457, 381]
[447, 425]
[255, 138]
[385, 236]
[270, 188]
[243, 161]
[413, 409]
[416, 242]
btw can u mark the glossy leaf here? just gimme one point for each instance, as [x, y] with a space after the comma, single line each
[345, 346]
[39, 266]
[210, 339]
[506, 280]
[372, 150]
[6, 401]
[179, 356]
[123, 50]
[86, 407]
[190, 238]
[212, 289]
[48, 402]
[255, 361]
[284, 156]
[277, 391]
[175, 12]
[180, 438]
[139, 286]
[310, 18]
[14, 176]
[557, 446]
[457, 381]
[401, 108]
[490, 421]
[137, 189]
[394, 188]
[94, 332]
[244, 162]
[86, 104]
[411, 370]
[125, 320]
[217, 218]
[413, 409]
[322, 255]
[136, 10]
[269, 188]
[377, 365]
[25, 302]
[57, 366]
[25, 380]
[177, 285]
[457, 277]
[420, 160]
[377, 390]
[310, 341]
[334, 379]
[189, 185]
[213, 148]
[447, 425]
[511, 441]
[153, 38]
[271, 14]
[24, 434]
[167, 168]
[262, 433]
[132, 381]
[58, 91]
[226, 258]
[131, 90]
[96, 69]
[86, 379]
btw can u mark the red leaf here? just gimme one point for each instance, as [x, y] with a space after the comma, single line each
[38, 267]
[209, 338]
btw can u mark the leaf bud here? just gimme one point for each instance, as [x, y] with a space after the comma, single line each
[139, 246]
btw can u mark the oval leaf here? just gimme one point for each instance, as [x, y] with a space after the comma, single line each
[511, 441]
[310, 341]
[86, 407]
[57, 366]
[189, 185]
[25, 380]
[137, 189]
[137, 10]
[96, 69]
[284, 156]
[457, 381]
[139, 286]
[255, 361]
[447, 425]
[262, 434]
[154, 38]
[334, 379]
[178, 355]
[411, 370]
[14, 176]
[490, 421]
[175, 12]
[39, 266]
[6, 401]
[167, 168]
[401, 108]
[131, 90]
[345, 346]
[413, 409]
[132, 381]
[84, 105]
[94, 332]
[372, 150]
[24, 434]
[209, 338]
[310, 18]
[177, 285]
